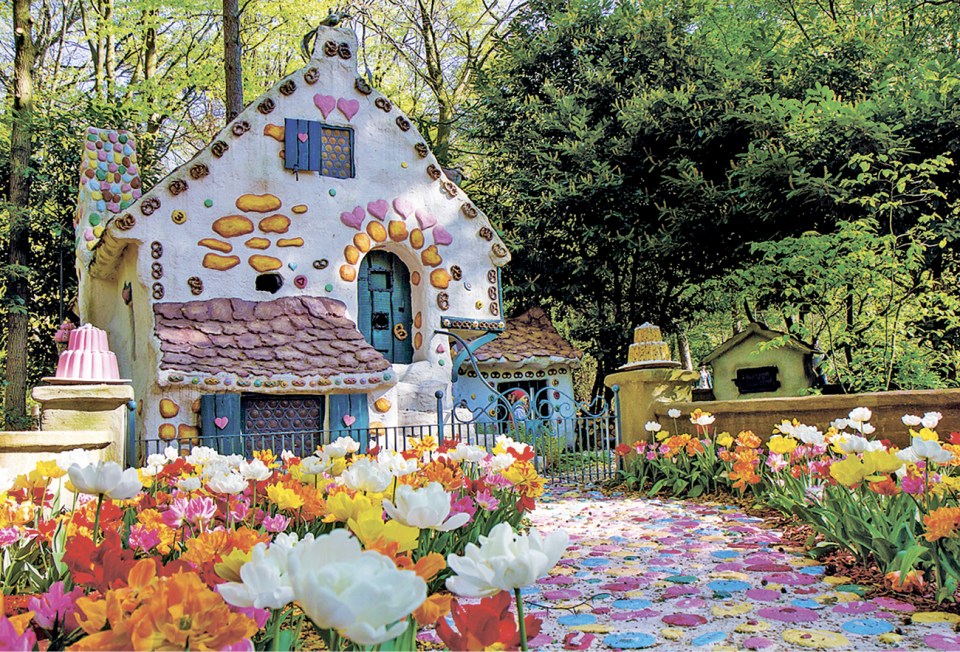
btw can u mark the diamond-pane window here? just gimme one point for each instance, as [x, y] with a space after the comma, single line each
[314, 146]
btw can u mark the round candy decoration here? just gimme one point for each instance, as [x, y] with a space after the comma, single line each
[630, 640]
[178, 217]
[300, 281]
[816, 638]
[867, 626]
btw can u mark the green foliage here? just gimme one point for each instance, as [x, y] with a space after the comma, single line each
[58, 144]
[656, 161]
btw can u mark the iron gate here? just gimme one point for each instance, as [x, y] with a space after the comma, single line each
[574, 441]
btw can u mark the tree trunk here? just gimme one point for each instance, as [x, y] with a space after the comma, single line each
[686, 357]
[232, 70]
[110, 51]
[150, 70]
[18, 284]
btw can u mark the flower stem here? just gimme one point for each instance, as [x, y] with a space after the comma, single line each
[521, 623]
[96, 518]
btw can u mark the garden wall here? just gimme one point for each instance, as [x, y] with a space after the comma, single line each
[762, 414]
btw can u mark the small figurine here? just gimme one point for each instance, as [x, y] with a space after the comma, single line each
[706, 381]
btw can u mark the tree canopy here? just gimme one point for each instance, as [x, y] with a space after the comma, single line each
[674, 162]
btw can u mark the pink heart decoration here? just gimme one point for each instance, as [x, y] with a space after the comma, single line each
[354, 218]
[441, 236]
[221, 422]
[347, 107]
[88, 235]
[441, 348]
[349, 420]
[402, 206]
[302, 137]
[378, 208]
[427, 221]
[326, 103]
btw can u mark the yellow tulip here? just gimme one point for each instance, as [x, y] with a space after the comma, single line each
[882, 462]
[724, 439]
[926, 434]
[369, 527]
[229, 566]
[50, 469]
[283, 498]
[848, 471]
[781, 445]
[341, 506]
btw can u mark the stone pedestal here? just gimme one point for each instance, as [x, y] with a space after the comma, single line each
[641, 389]
[85, 408]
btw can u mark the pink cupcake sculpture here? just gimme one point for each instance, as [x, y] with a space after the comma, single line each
[88, 358]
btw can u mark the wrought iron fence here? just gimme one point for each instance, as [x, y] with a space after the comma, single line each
[573, 441]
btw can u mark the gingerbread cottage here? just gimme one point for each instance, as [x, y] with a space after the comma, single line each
[292, 276]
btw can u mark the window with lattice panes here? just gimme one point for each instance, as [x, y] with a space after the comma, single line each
[316, 147]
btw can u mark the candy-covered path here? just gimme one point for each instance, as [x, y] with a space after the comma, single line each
[677, 575]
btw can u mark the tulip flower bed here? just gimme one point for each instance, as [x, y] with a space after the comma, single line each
[896, 508]
[206, 551]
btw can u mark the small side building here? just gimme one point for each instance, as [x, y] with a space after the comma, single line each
[531, 357]
[761, 363]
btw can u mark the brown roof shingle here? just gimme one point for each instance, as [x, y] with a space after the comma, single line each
[299, 336]
[531, 335]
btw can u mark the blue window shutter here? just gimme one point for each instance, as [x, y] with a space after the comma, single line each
[303, 148]
[291, 155]
[355, 405]
[226, 440]
[315, 145]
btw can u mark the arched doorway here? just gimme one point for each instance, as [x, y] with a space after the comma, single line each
[384, 308]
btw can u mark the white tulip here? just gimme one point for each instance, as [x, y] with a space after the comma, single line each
[785, 428]
[157, 459]
[286, 455]
[202, 455]
[931, 419]
[366, 475]
[500, 462]
[341, 447]
[504, 561]
[396, 464]
[361, 594]
[867, 428]
[931, 450]
[839, 424]
[426, 508]
[674, 413]
[860, 415]
[703, 420]
[227, 483]
[254, 470]
[314, 465]
[854, 444]
[265, 580]
[68, 458]
[188, 484]
[106, 478]
[911, 420]
[468, 453]
[809, 435]
[652, 426]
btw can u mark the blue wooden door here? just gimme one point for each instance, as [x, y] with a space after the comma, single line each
[384, 311]
[220, 420]
[349, 417]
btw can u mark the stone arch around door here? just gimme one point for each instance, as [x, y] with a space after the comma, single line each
[385, 305]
